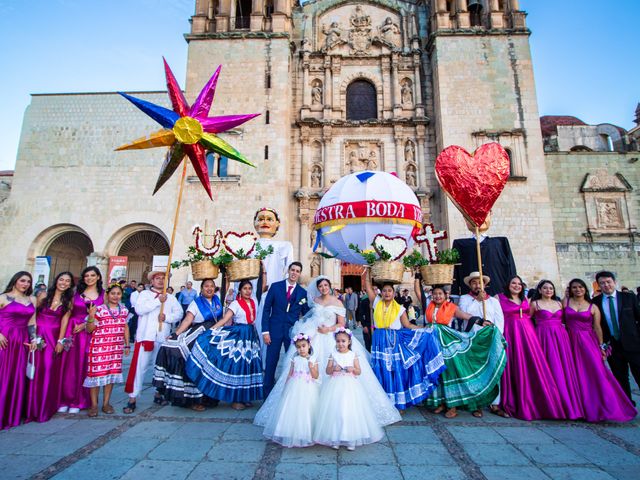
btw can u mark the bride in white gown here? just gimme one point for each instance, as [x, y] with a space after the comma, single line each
[326, 315]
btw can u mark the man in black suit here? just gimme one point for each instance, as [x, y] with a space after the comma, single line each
[621, 328]
[363, 316]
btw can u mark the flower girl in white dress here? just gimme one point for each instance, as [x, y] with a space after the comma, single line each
[345, 416]
[293, 421]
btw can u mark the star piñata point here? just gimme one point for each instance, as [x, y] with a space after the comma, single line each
[188, 130]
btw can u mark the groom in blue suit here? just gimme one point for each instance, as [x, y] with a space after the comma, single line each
[286, 302]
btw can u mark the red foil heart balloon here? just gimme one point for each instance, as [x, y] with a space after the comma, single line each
[473, 183]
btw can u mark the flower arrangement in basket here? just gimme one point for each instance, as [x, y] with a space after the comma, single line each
[436, 272]
[247, 255]
[204, 261]
[383, 258]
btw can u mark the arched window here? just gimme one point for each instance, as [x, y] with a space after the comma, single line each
[217, 165]
[475, 13]
[268, 8]
[243, 14]
[361, 101]
[607, 142]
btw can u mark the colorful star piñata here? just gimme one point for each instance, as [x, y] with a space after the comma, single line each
[188, 130]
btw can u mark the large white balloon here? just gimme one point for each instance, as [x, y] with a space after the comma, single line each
[362, 205]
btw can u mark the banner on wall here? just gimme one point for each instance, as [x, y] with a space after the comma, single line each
[118, 268]
[42, 270]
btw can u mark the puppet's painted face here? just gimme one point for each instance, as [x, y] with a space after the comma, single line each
[266, 224]
[483, 228]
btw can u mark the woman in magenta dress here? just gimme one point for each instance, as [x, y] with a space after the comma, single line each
[52, 316]
[528, 389]
[74, 396]
[17, 328]
[602, 397]
[546, 308]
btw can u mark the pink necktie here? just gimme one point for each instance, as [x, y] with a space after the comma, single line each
[289, 292]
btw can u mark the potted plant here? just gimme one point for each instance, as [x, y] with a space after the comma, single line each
[383, 258]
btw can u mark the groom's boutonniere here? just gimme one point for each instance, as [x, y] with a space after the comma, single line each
[302, 302]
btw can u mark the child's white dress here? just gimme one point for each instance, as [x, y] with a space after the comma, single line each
[294, 418]
[345, 416]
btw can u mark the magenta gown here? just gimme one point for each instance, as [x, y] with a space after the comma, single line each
[554, 340]
[602, 397]
[44, 389]
[528, 390]
[14, 319]
[75, 361]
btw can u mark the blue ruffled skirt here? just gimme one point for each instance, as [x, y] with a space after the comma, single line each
[407, 363]
[225, 364]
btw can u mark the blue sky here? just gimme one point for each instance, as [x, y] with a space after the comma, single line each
[584, 53]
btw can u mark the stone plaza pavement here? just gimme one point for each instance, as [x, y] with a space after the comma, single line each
[164, 443]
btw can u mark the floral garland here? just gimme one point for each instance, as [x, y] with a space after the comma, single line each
[343, 330]
[392, 247]
[300, 336]
[240, 245]
[200, 246]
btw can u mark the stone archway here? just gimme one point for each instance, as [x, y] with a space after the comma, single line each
[69, 252]
[139, 247]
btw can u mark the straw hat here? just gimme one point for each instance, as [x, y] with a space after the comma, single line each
[153, 273]
[474, 275]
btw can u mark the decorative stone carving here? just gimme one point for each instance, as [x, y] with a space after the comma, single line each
[316, 176]
[390, 33]
[334, 35]
[316, 92]
[360, 33]
[608, 212]
[361, 156]
[315, 265]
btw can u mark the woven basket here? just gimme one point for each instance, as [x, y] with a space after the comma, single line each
[437, 274]
[244, 269]
[387, 272]
[204, 269]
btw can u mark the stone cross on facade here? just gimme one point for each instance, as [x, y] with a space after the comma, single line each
[429, 235]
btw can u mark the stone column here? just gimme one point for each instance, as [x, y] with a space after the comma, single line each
[441, 6]
[306, 90]
[515, 5]
[421, 159]
[417, 86]
[326, 157]
[395, 84]
[397, 138]
[199, 20]
[463, 15]
[497, 17]
[387, 106]
[328, 89]
[304, 166]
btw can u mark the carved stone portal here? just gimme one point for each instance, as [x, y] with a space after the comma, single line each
[362, 156]
[605, 197]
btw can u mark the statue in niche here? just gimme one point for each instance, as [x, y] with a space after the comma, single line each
[410, 176]
[306, 45]
[352, 163]
[315, 266]
[409, 152]
[372, 162]
[316, 176]
[406, 93]
[316, 93]
[390, 33]
[334, 35]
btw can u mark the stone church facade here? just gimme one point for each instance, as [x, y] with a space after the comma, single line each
[342, 86]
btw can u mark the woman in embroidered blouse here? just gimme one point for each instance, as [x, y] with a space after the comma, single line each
[225, 362]
[169, 377]
[395, 338]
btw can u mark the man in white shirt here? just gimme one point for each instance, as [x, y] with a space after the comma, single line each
[471, 303]
[153, 328]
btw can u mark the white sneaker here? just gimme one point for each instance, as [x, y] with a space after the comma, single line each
[74, 410]
[351, 449]
[335, 447]
[63, 409]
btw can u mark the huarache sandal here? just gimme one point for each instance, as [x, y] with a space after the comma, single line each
[130, 408]
[451, 413]
[477, 413]
[93, 412]
[498, 411]
[108, 409]
[198, 407]
[439, 410]
[159, 400]
[238, 406]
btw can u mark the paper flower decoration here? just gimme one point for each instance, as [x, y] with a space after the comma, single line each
[188, 130]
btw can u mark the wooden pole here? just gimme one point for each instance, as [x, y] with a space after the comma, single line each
[484, 306]
[173, 239]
